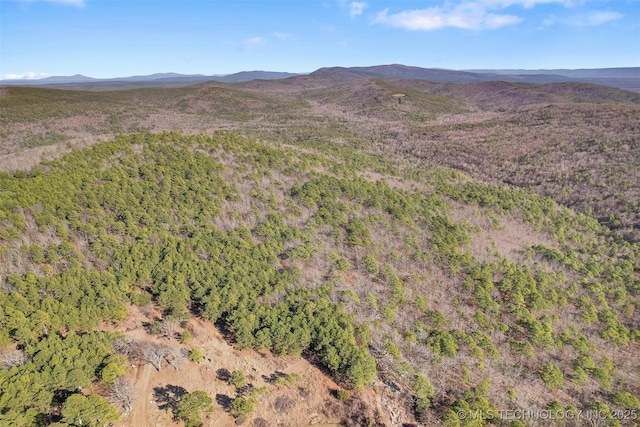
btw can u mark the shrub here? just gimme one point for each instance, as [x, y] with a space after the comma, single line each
[192, 406]
[421, 303]
[442, 343]
[389, 312]
[450, 419]
[422, 388]
[557, 411]
[436, 318]
[237, 379]
[111, 373]
[392, 350]
[196, 355]
[358, 233]
[603, 376]
[522, 347]
[371, 301]
[342, 395]
[579, 376]
[552, 376]
[186, 337]
[625, 400]
[89, 410]
[585, 362]
[299, 253]
[293, 378]
[604, 412]
[363, 335]
[370, 264]
[241, 407]
[342, 264]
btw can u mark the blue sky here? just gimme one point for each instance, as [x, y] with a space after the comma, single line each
[115, 38]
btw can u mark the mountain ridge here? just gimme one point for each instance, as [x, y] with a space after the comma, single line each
[157, 77]
[627, 78]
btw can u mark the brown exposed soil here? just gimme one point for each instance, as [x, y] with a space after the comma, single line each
[309, 402]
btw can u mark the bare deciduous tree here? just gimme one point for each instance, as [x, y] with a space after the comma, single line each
[121, 394]
[168, 328]
[12, 358]
[283, 404]
[122, 347]
[175, 356]
[154, 354]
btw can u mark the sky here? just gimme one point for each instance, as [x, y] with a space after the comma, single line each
[118, 38]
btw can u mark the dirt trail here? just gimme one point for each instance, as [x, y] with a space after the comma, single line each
[141, 393]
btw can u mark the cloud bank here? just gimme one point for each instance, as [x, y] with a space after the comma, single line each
[26, 76]
[465, 14]
[77, 3]
[591, 19]
[252, 43]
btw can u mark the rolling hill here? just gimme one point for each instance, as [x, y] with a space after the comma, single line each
[350, 247]
[539, 136]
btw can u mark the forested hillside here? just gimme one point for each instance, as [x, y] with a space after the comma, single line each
[574, 142]
[451, 299]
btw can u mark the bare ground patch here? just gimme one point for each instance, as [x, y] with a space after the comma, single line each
[308, 402]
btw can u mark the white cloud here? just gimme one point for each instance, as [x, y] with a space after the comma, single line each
[492, 21]
[253, 42]
[419, 19]
[283, 36]
[464, 14]
[78, 3]
[591, 19]
[356, 8]
[599, 18]
[527, 4]
[26, 76]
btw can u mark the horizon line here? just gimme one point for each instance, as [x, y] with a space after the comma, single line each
[26, 78]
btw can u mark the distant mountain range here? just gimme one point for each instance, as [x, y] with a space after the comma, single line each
[584, 73]
[158, 79]
[623, 78]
